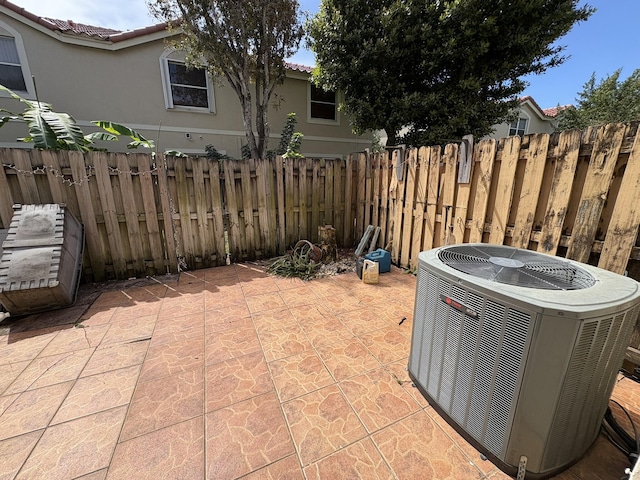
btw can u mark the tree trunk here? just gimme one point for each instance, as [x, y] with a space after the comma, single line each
[392, 137]
[327, 239]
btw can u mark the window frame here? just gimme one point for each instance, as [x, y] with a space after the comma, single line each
[168, 95]
[323, 121]
[515, 130]
[9, 32]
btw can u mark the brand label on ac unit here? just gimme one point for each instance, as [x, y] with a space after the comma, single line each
[459, 306]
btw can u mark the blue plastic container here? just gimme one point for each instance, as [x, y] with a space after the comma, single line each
[382, 257]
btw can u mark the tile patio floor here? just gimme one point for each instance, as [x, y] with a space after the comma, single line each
[230, 373]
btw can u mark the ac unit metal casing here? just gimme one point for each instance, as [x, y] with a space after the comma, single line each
[520, 372]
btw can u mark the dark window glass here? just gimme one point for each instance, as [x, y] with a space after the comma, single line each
[323, 104]
[189, 97]
[180, 74]
[519, 127]
[12, 78]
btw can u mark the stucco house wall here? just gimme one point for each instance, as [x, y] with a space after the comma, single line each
[94, 78]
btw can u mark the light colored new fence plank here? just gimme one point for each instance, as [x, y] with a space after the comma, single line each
[88, 215]
[376, 174]
[623, 227]
[348, 202]
[130, 213]
[400, 157]
[282, 224]
[504, 191]
[486, 157]
[563, 175]
[530, 193]
[267, 233]
[368, 185]
[59, 190]
[594, 193]
[315, 199]
[202, 209]
[384, 199]
[433, 190]
[105, 190]
[462, 202]
[6, 200]
[272, 205]
[338, 198]
[303, 227]
[247, 209]
[217, 212]
[235, 243]
[184, 210]
[27, 182]
[292, 227]
[448, 192]
[407, 226]
[328, 193]
[151, 212]
[167, 216]
[361, 192]
[422, 172]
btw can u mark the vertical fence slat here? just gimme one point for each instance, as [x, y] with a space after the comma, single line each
[400, 157]
[594, 194]
[58, 189]
[315, 200]
[263, 175]
[105, 190]
[30, 193]
[462, 206]
[566, 161]
[361, 198]
[420, 205]
[448, 193]
[530, 193]
[184, 211]
[623, 227]
[247, 209]
[282, 225]
[232, 209]
[384, 200]
[348, 199]
[368, 184]
[375, 174]
[433, 190]
[151, 212]
[199, 191]
[167, 216]
[407, 227]
[504, 193]
[338, 199]
[289, 201]
[485, 164]
[6, 201]
[217, 212]
[131, 213]
[303, 227]
[328, 193]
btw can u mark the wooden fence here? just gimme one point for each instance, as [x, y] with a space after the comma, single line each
[144, 215]
[573, 194]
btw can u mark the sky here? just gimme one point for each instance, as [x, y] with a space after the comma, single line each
[603, 44]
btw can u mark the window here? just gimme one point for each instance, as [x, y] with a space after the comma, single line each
[11, 75]
[519, 127]
[323, 104]
[186, 88]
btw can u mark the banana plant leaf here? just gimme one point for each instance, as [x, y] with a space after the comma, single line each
[117, 129]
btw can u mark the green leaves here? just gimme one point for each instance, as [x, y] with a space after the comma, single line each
[49, 130]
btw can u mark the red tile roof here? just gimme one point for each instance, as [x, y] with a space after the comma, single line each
[554, 111]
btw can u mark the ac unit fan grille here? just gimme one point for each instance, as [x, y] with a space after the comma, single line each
[513, 266]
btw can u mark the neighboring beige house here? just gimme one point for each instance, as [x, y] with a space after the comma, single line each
[132, 78]
[531, 119]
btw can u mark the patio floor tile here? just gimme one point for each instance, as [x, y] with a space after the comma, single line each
[231, 343]
[131, 329]
[416, 447]
[285, 469]
[75, 448]
[298, 296]
[165, 401]
[31, 410]
[113, 357]
[321, 423]
[283, 340]
[245, 436]
[387, 344]
[14, 451]
[235, 380]
[172, 358]
[378, 399]
[73, 339]
[97, 393]
[227, 314]
[347, 358]
[175, 452]
[265, 301]
[9, 373]
[299, 374]
[358, 461]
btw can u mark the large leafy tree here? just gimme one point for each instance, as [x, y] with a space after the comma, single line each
[442, 68]
[245, 42]
[609, 101]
